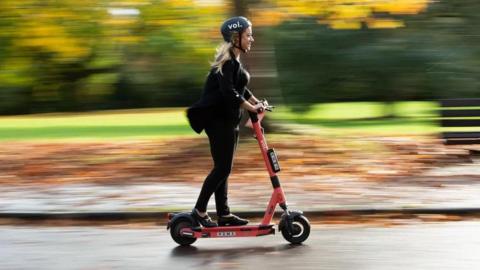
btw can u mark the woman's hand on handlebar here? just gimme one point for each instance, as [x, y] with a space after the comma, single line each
[266, 106]
[259, 107]
[255, 108]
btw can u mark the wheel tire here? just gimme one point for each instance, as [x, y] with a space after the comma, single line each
[177, 237]
[301, 230]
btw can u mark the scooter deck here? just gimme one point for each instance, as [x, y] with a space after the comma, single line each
[228, 231]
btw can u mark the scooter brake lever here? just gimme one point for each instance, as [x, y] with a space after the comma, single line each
[269, 108]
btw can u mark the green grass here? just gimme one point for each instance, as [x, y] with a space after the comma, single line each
[333, 118]
[365, 117]
[103, 125]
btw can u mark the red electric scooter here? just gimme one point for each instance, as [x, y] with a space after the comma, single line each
[295, 227]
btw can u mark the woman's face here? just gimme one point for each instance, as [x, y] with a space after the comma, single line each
[247, 39]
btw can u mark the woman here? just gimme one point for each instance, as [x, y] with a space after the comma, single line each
[218, 112]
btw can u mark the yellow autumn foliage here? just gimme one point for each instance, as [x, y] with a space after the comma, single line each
[120, 22]
[340, 24]
[64, 47]
[400, 6]
[384, 23]
[350, 12]
[339, 14]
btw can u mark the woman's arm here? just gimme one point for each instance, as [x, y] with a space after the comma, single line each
[231, 96]
[250, 97]
[227, 88]
[252, 107]
[253, 100]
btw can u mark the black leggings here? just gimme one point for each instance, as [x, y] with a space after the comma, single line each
[223, 139]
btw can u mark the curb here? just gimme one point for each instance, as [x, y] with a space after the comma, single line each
[161, 217]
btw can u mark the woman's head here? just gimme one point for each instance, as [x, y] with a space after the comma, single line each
[237, 34]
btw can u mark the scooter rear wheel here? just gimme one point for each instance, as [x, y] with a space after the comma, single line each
[176, 229]
[300, 230]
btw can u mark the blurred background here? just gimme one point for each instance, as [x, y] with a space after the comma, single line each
[64, 56]
[325, 62]
[95, 91]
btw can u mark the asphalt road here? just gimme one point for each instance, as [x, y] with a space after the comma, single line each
[449, 245]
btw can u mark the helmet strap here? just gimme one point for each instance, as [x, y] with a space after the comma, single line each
[239, 47]
[239, 43]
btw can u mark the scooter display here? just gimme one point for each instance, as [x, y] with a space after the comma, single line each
[293, 225]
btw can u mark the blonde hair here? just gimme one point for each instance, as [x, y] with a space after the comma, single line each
[222, 56]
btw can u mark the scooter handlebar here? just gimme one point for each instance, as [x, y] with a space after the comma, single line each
[267, 107]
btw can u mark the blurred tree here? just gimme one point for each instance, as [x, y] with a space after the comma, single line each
[49, 52]
[70, 55]
[428, 58]
[80, 55]
[169, 67]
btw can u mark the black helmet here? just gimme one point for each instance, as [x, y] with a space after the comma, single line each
[232, 25]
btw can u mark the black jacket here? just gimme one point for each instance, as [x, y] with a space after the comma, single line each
[222, 96]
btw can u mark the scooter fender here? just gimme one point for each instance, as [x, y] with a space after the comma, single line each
[178, 216]
[286, 220]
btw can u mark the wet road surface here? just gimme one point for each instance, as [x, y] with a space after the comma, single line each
[449, 245]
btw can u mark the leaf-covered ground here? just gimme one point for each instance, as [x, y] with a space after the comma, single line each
[186, 160]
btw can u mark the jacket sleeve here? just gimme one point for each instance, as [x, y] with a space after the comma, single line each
[227, 87]
[248, 94]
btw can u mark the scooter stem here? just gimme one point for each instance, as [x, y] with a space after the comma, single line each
[262, 142]
[278, 197]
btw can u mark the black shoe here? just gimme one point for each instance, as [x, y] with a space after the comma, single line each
[205, 221]
[232, 221]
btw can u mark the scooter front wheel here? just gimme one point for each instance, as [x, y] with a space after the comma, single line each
[175, 230]
[300, 230]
